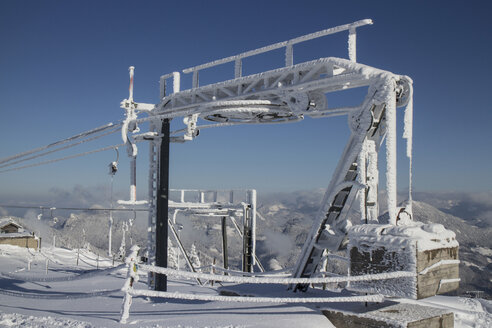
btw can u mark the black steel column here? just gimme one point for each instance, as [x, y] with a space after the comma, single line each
[247, 242]
[161, 229]
[224, 243]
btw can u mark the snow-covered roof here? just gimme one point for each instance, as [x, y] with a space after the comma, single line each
[17, 235]
[6, 221]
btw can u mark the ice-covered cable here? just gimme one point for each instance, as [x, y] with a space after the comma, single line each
[66, 278]
[60, 296]
[218, 125]
[276, 273]
[60, 142]
[63, 158]
[115, 129]
[249, 299]
[272, 280]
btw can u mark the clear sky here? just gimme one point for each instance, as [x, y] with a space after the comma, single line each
[64, 69]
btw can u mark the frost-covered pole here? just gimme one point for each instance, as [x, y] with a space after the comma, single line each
[352, 46]
[110, 233]
[408, 134]
[391, 149]
[176, 82]
[362, 179]
[130, 125]
[224, 243]
[133, 179]
[238, 68]
[132, 277]
[289, 55]
[372, 178]
[113, 168]
[130, 88]
[252, 202]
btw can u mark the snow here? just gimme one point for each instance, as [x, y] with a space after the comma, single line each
[16, 235]
[19, 320]
[6, 221]
[470, 264]
[396, 315]
[405, 241]
[482, 251]
[103, 310]
[429, 236]
[438, 264]
[467, 312]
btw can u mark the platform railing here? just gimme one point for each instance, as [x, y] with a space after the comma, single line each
[206, 196]
[289, 53]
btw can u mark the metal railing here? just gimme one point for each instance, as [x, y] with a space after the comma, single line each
[289, 53]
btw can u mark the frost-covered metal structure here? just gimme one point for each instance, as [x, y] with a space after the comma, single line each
[285, 95]
[231, 204]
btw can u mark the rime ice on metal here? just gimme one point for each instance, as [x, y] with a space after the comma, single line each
[287, 95]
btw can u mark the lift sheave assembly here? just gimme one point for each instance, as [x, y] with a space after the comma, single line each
[287, 95]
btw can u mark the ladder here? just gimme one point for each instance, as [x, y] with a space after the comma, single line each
[329, 230]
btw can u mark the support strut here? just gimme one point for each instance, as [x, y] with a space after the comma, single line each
[161, 231]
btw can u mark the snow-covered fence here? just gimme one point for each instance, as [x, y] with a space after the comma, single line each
[132, 277]
[274, 280]
[87, 275]
[278, 273]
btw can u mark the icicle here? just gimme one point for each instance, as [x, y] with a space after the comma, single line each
[408, 134]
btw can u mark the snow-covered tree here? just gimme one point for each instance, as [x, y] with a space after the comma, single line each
[172, 255]
[195, 260]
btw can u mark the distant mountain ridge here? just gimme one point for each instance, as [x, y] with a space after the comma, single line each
[282, 229]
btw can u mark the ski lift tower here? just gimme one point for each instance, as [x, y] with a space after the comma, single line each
[286, 95]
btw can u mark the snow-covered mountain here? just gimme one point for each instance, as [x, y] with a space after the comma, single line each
[282, 227]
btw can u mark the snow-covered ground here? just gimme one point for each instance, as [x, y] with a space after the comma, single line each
[96, 301]
[71, 295]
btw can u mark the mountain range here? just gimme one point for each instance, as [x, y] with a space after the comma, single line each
[282, 227]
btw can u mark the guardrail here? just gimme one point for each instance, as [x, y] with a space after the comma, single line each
[134, 267]
[289, 53]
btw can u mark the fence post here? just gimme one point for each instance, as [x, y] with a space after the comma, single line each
[212, 271]
[132, 277]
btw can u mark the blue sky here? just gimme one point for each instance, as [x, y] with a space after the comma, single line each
[63, 70]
